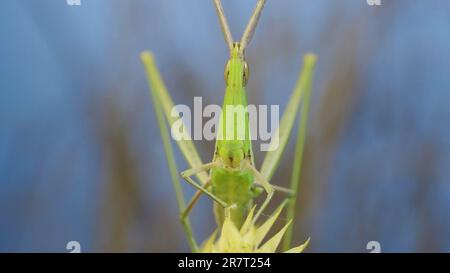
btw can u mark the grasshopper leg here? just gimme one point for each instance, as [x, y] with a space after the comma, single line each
[193, 202]
[277, 188]
[190, 172]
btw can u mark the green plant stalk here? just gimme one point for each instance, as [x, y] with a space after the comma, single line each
[172, 166]
[297, 164]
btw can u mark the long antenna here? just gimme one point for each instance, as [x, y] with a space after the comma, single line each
[224, 24]
[250, 29]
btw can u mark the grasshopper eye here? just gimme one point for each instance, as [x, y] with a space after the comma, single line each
[246, 74]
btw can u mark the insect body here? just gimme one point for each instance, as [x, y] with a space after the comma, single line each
[231, 179]
[232, 172]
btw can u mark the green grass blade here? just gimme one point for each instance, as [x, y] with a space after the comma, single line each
[297, 164]
[272, 158]
[160, 92]
[171, 162]
[174, 173]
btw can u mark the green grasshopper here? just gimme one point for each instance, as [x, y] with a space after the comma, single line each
[231, 178]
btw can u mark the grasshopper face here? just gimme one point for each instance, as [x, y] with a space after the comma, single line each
[232, 155]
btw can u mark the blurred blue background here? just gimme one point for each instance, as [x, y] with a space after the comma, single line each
[81, 156]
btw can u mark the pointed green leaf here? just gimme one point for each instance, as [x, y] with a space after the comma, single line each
[230, 238]
[281, 137]
[162, 97]
[208, 246]
[299, 248]
[271, 245]
[248, 221]
[262, 231]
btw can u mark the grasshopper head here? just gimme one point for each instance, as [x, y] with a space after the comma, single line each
[232, 155]
[236, 66]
